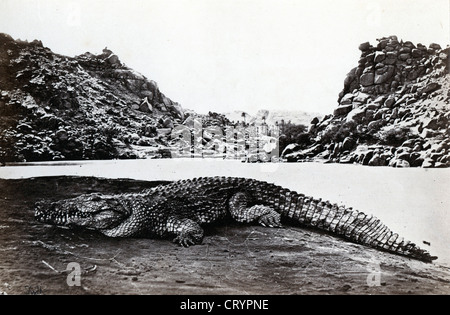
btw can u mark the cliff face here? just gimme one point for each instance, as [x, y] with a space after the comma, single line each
[393, 110]
[90, 106]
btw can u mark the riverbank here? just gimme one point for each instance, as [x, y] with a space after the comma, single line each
[233, 259]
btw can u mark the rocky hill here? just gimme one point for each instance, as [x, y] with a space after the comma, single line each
[393, 110]
[55, 107]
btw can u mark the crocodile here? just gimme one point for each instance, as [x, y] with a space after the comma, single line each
[180, 209]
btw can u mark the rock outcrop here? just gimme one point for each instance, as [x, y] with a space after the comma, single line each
[392, 111]
[55, 107]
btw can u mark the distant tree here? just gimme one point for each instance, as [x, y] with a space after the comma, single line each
[394, 137]
[338, 133]
[294, 134]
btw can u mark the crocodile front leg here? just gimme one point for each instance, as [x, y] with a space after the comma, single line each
[187, 232]
[264, 215]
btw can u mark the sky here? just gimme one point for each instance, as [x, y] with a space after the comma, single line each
[226, 55]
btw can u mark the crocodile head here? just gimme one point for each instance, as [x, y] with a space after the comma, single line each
[93, 211]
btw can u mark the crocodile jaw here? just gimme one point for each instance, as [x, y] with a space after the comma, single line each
[92, 212]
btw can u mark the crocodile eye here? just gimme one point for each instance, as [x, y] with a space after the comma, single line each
[96, 198]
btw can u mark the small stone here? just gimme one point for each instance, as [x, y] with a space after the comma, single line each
[342, 110]
[314, 121]
[390, 101]
[114, 60]
[361, 98]
[393, 43]
[431, 87]
[427, 133]
[404, 156]
[348, 144]
[380, 99]
[399, 163]
[367, 157]
[346, 287]
[430, 123]
[416, 53]
[364, 46]
[347, 99]
[408, 143]
[394, 85]
[382, 78]
[393, 38]
[372, 106]
[382, 44]
[145, 106]
[427, 163]
[362, 61]
[291, 148]
[404, 57]
[435, 46]
[375, 124]
[409, 44]
[421, 46]
[391, 58]
[379, 56]
[62, 135]
[404, 50]
[377, 160]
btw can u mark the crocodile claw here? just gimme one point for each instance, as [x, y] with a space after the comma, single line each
[271, 219]
[184, 240]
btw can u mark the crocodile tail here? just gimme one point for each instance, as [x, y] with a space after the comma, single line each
[348, 223]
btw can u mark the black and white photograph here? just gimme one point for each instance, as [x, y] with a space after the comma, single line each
[237, 149]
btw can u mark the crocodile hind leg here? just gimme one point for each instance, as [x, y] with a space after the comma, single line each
[264, 215]
[187, 232]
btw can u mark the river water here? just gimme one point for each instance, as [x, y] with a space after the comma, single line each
[413, 202]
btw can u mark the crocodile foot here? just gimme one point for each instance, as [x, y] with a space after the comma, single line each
[271, 219]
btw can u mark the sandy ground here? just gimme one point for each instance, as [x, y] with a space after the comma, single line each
[233, 259]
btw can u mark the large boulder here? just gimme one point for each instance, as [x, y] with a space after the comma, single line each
[390, 58]
[399, 163]
[364, 46]
[379, 56]
[348, 144]
[356, 115]
[291, 148]
[145, 106]
[384, 74]
[431, 87]
[343, 110]
[367, 79]
[377, 160]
